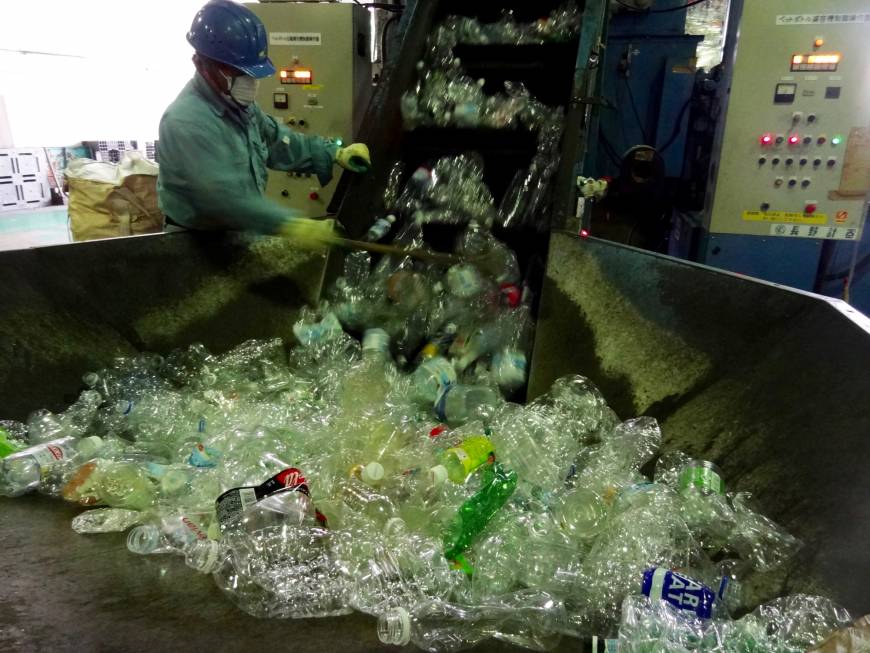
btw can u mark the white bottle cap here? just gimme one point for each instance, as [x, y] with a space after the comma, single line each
[391, 218]
[437, 475]
[376, 340]
[372, 473]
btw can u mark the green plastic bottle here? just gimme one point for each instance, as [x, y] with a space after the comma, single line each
[6, 447]
[498, 484]
[461, 460]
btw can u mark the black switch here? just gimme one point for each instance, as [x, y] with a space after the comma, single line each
[832, 93]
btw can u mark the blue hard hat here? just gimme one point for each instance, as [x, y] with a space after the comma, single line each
[232, 34]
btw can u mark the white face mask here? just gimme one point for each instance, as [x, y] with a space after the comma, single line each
[243, 89]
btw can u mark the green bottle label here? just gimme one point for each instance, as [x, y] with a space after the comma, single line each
[6, 448]
[473, 452]
[702, 476]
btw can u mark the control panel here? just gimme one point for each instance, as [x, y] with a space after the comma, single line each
[322, 85]
[795, 152]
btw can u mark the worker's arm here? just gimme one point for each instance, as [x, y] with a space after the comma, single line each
[290, 150]
[197, 172]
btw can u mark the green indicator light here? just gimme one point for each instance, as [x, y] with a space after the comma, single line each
[836, 140]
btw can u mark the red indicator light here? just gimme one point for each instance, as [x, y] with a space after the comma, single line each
[283, 74]
[584, 233]
[809, 209]
[767, 139]
[794, 139]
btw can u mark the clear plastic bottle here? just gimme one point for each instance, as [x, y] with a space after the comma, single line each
[115, 483]
[380, 228]
[526, 618]
[705, 507]
[171, 534]
[106, 520]
[431, 377]
[460, 403]
[365, 386]
[367, 503]
[31, 468]
[580, 512]
[509, 369]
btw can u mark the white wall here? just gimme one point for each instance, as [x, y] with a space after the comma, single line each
[122, 62]
[5, 131]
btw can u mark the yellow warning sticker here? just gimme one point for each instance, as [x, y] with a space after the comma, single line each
[787, 217]
[313, 87]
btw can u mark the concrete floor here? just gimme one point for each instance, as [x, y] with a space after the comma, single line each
[61, 591]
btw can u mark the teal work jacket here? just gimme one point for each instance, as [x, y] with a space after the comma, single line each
[214, 157]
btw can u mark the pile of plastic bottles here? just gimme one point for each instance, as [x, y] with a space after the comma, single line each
[446, 96]
[452, 191]
[563, 24]
[342, 476]
[378, 465]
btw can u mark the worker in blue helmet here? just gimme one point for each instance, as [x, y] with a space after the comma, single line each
[216, 143]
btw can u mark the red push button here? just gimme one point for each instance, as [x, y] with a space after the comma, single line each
[314, 196]
[809, 209]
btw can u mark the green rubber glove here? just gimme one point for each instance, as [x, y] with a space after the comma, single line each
[355, 157]
[309, 234]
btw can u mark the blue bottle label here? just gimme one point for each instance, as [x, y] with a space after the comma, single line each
[203, 456]
[441, 403]
[680, 591]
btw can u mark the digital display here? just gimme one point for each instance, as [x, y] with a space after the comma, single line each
[815, 62]
[296, 76]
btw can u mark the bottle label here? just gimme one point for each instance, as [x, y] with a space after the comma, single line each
[680, 591]
[49, 454]
[473, 452]
[232, 504]
[441, 403]
[193, 528]
[702, 476]
[442, 373]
